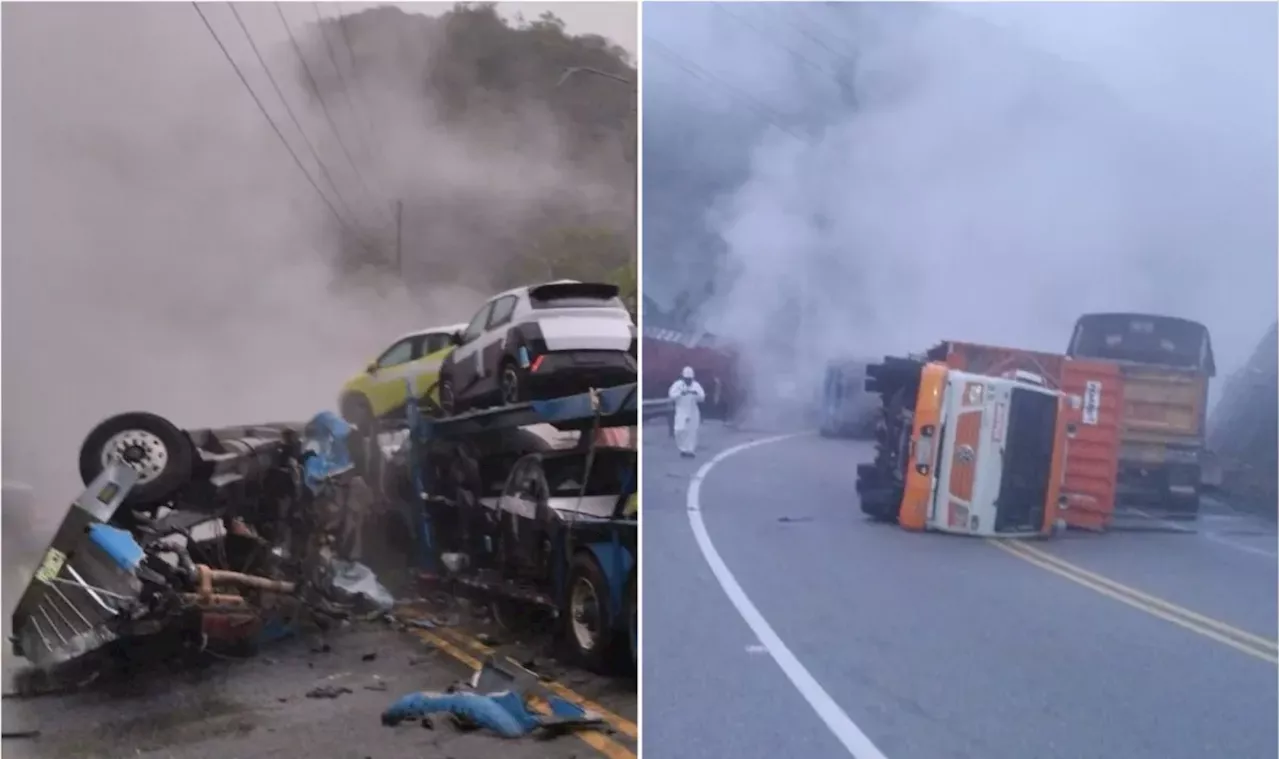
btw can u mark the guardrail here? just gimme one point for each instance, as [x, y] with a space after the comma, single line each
[654, 407]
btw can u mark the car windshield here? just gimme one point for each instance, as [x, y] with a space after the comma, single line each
[1143, 339]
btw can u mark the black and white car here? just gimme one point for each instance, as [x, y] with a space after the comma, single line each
[542, 341]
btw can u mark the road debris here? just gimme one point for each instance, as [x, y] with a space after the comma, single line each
[21, 734]
[328, 691]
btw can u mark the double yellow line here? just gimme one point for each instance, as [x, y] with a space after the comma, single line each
[1245, 642]
[465, 649]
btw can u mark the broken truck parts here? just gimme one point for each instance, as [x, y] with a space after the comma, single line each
[190, 540]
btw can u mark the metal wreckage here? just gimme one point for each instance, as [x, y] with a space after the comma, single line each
[218, 540]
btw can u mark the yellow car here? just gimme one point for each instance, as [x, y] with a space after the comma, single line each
[379, 391]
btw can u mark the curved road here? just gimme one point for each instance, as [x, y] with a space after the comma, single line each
[933, 646]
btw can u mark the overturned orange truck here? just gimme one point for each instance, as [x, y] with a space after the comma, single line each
[993, 442]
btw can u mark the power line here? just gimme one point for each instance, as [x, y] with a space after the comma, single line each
[812, 64]
[806, 33]
[346, 92]
[769, 115]
[351, 56]
[315, 87]
[271, 121]
[288, 109]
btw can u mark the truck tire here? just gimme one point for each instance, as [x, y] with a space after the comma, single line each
[1183, 507]
[588, 625]
[159, 451]
[633, 617]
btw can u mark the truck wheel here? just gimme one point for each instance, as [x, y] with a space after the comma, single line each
[1183, 508]
[152, 446]
[633, 618]
[588, 626]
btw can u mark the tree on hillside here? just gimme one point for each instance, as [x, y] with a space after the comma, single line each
[483, 78]
[584, 253]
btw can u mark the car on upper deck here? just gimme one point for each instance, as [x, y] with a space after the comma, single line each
[540, 341]
[378, 392]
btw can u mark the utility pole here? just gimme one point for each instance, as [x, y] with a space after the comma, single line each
[399, 226]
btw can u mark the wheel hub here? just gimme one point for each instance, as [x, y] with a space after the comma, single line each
[583, 612]
[140, 450]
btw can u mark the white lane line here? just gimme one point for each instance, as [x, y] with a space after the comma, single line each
[853, 739]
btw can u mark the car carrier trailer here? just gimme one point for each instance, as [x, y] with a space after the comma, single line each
[502, 513]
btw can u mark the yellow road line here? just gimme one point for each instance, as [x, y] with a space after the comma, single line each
[1222, 627]
[619, 723]
[1243, 641]
[609, 748]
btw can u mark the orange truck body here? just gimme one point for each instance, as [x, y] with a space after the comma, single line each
[1092, 428]
[1166, 363]
[965, 453]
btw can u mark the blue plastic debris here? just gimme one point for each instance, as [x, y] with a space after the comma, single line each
[118, 544]
[503, 713]
[566, 709]
[275, 629]
[326, 436]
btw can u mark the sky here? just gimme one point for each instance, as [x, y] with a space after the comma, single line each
[1008, 167]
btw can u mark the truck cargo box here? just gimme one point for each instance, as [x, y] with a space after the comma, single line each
[1092, 457]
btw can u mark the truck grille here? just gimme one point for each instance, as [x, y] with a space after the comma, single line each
[1028, 461]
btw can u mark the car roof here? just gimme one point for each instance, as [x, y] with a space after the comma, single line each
[448, 328]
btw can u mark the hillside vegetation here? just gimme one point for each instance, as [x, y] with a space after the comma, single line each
[509, 167]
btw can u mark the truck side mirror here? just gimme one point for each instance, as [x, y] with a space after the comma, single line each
[455, 338]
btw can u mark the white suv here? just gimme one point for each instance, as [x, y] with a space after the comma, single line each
[541, 341]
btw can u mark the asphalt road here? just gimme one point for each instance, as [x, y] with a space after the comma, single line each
[935, 647]
[259, 708]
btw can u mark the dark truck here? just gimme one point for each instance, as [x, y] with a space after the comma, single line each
[1166, 363]
[848, 410]
[715, 365]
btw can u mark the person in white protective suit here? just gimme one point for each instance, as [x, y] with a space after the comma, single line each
[687, 394]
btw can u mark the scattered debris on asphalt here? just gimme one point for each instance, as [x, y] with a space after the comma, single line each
[328, 691]
[21, 734]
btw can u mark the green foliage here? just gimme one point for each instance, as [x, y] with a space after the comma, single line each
[479, 73]
[590, 254]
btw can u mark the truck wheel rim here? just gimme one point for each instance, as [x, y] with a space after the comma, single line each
[584, 606]
[141, 451]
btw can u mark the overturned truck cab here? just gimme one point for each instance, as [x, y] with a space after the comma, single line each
[186, 541]
[965, 453]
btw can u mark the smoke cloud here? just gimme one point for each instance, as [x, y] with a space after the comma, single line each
[983, 173]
